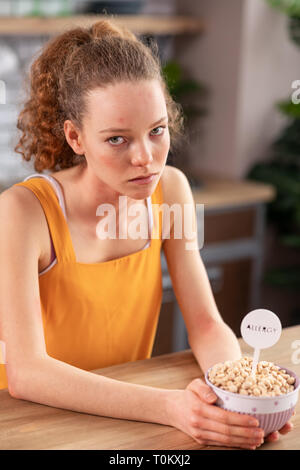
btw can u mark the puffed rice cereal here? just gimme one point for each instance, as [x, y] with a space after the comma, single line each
[236, 377]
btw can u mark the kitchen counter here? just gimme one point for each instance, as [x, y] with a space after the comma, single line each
[220, 192]
[26, 425]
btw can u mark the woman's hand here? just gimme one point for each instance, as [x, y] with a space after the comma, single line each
[192, 411]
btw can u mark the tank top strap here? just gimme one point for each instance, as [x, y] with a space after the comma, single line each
[47, 190]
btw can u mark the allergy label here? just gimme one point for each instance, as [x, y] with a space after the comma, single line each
[261, 328]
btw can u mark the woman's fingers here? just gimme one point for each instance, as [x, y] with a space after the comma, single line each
[286, 428]
[229, 440]
[202, 390]
[228, 417]
[214, 443]
[241, 432]
[227, 428]
[274, 436]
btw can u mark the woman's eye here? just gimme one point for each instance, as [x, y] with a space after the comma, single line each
[116, 137]
[115, 143]
[160, 127]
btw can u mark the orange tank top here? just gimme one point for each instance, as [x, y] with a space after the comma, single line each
[97, 314]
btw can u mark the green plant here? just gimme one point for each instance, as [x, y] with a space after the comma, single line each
[186, 91]
[282, 170]
[289, 7]
[292, 9]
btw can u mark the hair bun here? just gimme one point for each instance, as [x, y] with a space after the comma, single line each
[104, 28]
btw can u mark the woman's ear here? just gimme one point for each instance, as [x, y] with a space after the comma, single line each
[73, 137]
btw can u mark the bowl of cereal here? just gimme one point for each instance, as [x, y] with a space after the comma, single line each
[270, 395]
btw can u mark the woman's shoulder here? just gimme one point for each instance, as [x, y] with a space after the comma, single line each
[20, 199]
[19, 203]
[173, 182]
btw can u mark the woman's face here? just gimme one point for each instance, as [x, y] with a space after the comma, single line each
[138, 142]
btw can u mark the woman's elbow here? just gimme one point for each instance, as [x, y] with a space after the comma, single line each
[12, 382]
[16, 380]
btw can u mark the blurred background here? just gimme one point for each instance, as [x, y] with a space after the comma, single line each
[234, 67]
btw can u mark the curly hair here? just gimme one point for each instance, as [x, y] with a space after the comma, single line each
[69, 67]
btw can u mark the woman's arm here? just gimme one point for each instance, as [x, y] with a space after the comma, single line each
[55, 383]
[216, 343]
[210, 338]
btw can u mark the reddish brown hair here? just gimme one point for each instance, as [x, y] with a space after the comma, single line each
[71, 65]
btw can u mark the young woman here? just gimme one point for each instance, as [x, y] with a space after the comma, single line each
[101, 118]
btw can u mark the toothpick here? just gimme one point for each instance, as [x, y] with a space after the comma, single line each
[255, 361]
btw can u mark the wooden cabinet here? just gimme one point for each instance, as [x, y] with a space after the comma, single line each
[139, 24]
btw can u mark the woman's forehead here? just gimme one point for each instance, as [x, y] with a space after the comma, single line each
[116, 104]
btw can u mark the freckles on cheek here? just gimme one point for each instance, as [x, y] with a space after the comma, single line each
[108, 162]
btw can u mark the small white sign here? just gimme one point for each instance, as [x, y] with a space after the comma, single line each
[260, 329]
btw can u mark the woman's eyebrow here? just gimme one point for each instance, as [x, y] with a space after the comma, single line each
[112, 129]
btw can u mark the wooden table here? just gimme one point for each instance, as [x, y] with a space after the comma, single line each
[26, 425]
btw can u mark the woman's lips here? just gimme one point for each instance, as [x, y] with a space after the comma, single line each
[146, 180]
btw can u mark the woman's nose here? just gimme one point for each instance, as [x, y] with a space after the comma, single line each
[142, 156]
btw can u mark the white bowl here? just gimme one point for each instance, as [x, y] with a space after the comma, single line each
[271, 412]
